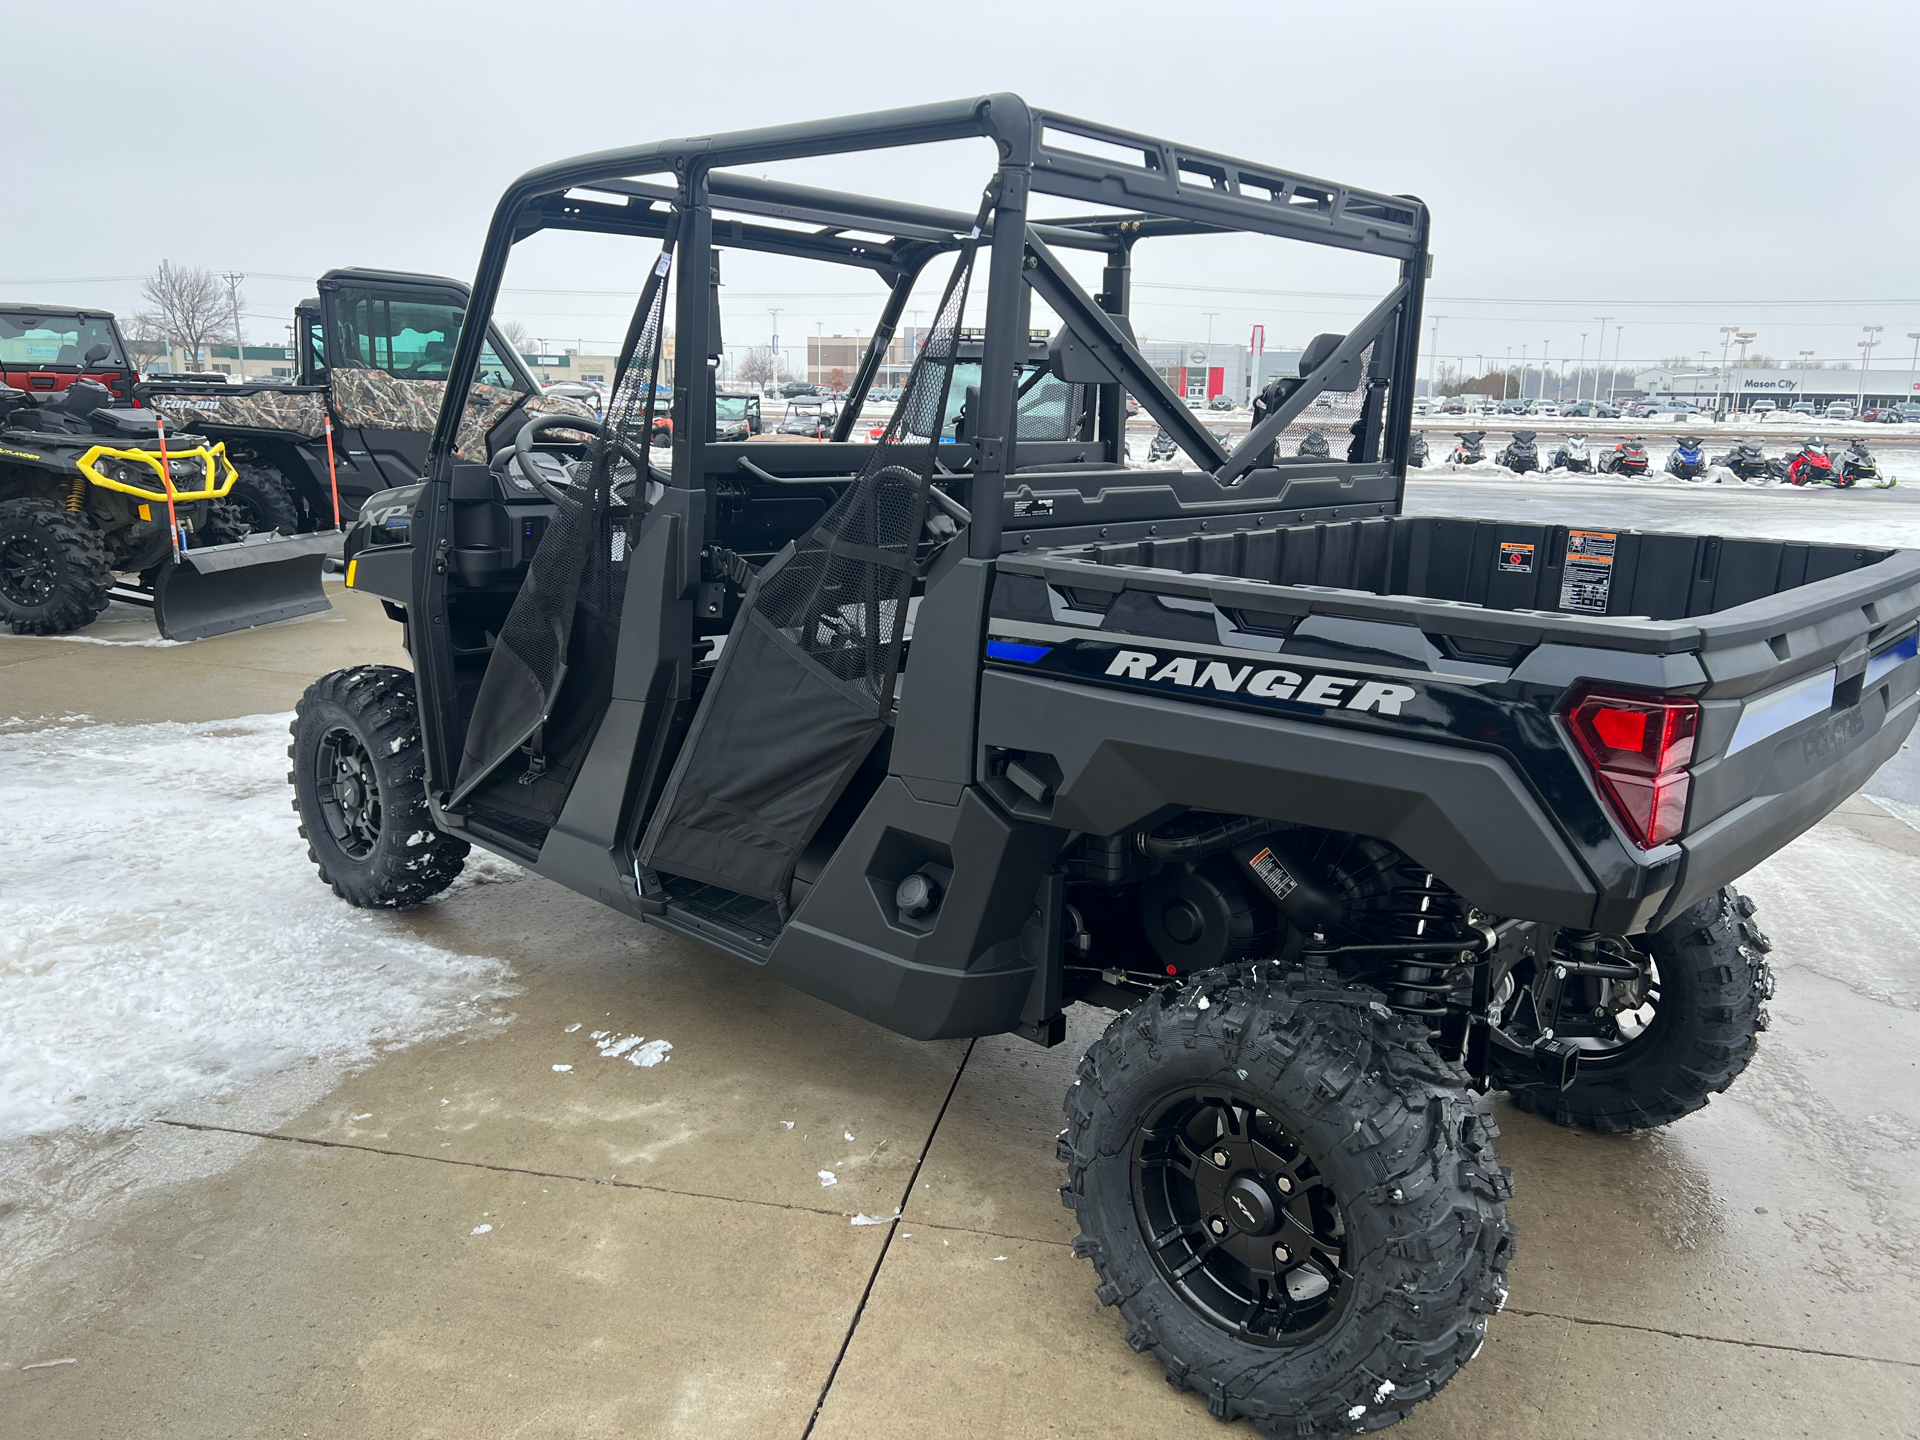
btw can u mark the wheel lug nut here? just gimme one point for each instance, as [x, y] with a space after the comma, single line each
[1220, 1158]
[1218, 1226]
[1283, 1185]
[1281, 1255]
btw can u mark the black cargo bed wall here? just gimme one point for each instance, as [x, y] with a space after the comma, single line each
[1501, 565]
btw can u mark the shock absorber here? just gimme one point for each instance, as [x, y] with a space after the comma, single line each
[77, 495]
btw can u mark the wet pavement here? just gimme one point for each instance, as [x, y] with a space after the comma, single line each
[509, 1231]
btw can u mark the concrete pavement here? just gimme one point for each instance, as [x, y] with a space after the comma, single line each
[462, 1240]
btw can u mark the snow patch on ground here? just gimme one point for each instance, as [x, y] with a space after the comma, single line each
[164, 939]
[635, 1049]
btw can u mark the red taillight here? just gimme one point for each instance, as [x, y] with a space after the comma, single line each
[1637, 747]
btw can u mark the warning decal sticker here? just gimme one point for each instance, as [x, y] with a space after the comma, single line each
[1515, 558]
[1273, 874]
[1588, 578]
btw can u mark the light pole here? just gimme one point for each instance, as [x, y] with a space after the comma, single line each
[1805, 357]
[1433, 363]
[774, 332]
[1600, 354]
[1210, 314]
[1506, 374]
[819, 354]
[1580, 375]
[239, 345]
[1866, 359]
[1742, 338]
[1523, 372]
[1913, 335]
[1727, 332]
[1613, 375]
[1544, 346]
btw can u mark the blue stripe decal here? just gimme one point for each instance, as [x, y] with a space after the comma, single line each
[1010, 650]
[1891, 656]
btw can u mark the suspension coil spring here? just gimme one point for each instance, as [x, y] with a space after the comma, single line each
[1419, 991]
[77, 495]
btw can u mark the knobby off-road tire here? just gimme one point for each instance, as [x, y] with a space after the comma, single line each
[1714, 983]
[55, 574]
[265, 499]
[226, 524]
[359, 788]
[1389, 1162]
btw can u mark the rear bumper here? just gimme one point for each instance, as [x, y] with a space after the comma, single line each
[1726, 848]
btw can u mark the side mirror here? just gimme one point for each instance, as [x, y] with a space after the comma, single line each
[95, 355]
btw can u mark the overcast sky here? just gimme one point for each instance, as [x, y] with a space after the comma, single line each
[1678, 167]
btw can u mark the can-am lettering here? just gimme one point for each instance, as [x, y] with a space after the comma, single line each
[1328, 690]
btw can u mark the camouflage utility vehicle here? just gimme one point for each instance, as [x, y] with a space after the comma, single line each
[372, 350]
[1350, 815]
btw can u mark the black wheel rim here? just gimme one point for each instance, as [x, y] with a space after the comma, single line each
[349, 792]
[1239, 1218]
[29, 569]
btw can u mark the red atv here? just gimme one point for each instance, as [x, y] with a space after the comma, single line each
[1813, 465]
[45, 348]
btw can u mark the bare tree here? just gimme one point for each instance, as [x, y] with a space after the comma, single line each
[756, 367]
[185, 306]
[516, 335]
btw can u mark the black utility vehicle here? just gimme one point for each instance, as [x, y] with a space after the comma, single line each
[1350, 814]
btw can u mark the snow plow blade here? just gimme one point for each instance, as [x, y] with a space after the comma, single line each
[257, 581]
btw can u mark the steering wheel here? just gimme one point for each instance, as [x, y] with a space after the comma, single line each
[523, 448]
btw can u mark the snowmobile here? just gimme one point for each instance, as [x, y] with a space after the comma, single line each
[1468, 451]
[1417, 452]
[1521, 454]
[1856, 463]
[1313, 446]
[1629, 457]
[1688, 460]
[1573, 455]
[1811, 465]
[1748, 463]
[1161, 448]
[90, 489]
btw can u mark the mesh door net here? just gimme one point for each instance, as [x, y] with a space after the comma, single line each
[568, 609]
[805, 683]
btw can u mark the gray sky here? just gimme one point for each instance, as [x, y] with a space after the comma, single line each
[1677, 167]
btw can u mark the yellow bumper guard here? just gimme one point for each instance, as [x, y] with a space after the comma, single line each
[213, 487]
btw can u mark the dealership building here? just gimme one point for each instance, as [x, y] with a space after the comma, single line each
[1715, 388]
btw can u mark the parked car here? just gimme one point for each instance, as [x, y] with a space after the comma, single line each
[1219, 402]
[1909, 413]
[1800, 407]
[1544, 407]
[1762, 407]
[1453, 405]
[1883, 415]
[1840, 410]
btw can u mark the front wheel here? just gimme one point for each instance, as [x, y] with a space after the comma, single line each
[1660, 1048]
[1291, 1199]
[265, 500]
[359, 788]
[55, 576]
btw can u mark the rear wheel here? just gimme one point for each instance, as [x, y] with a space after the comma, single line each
[265, 500]
[359, 788]
[55, 576]
[1291, 1199]
[1661, 1048]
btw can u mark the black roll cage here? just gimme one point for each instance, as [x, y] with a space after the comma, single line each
[1173, 190]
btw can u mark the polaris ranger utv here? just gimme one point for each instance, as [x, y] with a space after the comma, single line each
[1349, 814]
[372, 353]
